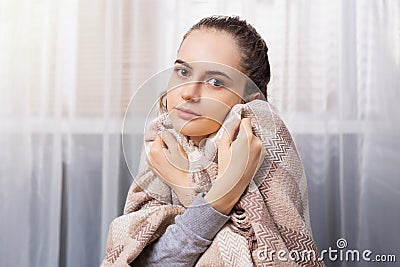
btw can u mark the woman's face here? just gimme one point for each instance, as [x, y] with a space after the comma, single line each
[201, 94]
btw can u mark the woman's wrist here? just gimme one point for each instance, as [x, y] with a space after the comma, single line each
[184, 194]
[221, 197]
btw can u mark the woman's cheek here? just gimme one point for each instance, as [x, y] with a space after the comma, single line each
[218, 111]
[170, 100]
[201, 127]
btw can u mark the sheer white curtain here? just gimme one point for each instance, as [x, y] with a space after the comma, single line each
[68, 69]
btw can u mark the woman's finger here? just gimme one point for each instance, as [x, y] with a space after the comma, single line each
[157, 145]
[169, 140]
[245, 130]
[172, 144]
[229, 131]
[157, 149]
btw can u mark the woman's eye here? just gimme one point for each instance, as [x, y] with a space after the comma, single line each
[182, 72]
[215, 82]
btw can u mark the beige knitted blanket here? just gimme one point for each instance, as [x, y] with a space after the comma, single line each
[269, 226]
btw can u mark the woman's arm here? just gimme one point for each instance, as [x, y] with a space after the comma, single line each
[184, 242]
[238, 160]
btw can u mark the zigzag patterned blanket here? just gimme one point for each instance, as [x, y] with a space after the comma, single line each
[269, 226]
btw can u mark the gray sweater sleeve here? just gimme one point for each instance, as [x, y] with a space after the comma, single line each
[184, 242]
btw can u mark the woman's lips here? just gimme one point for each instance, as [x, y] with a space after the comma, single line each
[186, 114]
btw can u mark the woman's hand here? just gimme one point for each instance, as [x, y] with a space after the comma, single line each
[170, 162]
[237, 164]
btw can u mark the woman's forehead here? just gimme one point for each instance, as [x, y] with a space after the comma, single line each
[211, 46]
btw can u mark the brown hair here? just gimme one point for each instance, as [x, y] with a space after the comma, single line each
[253, 49]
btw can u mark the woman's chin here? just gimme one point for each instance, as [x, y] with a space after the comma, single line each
[197, 128]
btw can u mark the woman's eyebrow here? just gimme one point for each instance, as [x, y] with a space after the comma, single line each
[180, 61]
[209, 72]
[217, 72]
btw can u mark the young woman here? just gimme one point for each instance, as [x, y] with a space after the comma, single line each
[248, 202]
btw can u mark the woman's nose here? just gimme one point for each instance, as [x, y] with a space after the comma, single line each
[191, 92]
